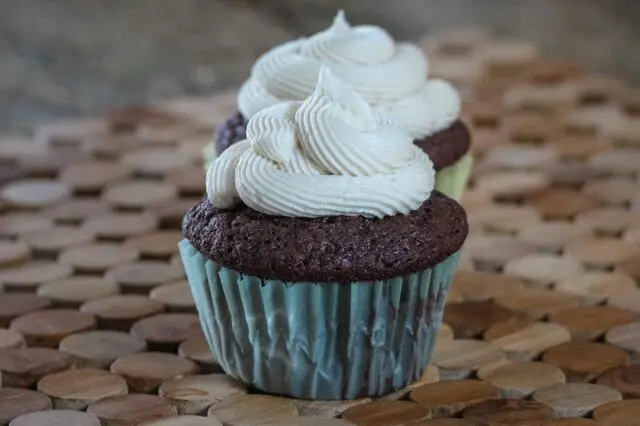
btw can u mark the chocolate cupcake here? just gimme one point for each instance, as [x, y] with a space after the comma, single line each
[392, 77]
[321, 259]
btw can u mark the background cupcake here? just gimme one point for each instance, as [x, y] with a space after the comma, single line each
[393, 77]
[320, 268]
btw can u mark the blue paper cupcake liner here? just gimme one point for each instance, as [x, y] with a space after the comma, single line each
[322, 341]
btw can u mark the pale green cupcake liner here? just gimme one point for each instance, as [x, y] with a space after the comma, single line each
[324, 341]
[452, 180]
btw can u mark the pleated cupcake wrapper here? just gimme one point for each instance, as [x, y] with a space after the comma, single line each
[452, 180]
[323, 341]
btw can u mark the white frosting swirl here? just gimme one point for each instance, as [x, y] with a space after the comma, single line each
[391, 76]
[329, 155]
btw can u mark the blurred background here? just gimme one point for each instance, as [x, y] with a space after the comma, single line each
[62, 58]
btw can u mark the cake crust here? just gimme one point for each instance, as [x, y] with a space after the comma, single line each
[329, 249]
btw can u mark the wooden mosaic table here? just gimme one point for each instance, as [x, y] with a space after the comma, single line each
[97, 325]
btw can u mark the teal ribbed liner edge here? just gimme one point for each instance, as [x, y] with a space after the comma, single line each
[321, 341]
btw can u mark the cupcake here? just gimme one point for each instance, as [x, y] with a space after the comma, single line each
[321, 258]
[391, 76]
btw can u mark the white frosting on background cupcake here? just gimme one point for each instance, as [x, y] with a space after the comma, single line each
[331, 154]
[391, 76]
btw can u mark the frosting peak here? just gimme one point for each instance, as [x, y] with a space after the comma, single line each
[331, 154]
[391, 76]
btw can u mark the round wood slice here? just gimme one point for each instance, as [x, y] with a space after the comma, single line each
[445, 332]
[29, 275]
[145, 372]
[618, 413]
[552, 236]
[325, 409]
[445, 422]
[197, 349]
[567, 422]
[583, 361]
[97, 257]
[579, 147]
[250, 410]
[155, 162]
[195, 394]
[23, 367]
[189, 181]
[131, 410]
[622, 162]
[632, 235]
[166, 330]
[176, 297]
[506, 411]
[75, 210]
[16, 402]
[492, 252]
[597, 286]
[575, 399]
[121, 225]
[612, 191]
[382, 413]
[544, 269]
[170, 213]
[631, 266]
[504, 218]
[139, 194]
[16, 224]
[512, 184]
[591, 322]
[76, 389]
[607, 220]
[14, 305]
[529, 342]
[120, 312]
[34, 193]
[156, 245]
[602, 252]
[521, 379]
[536, 302]
[142, 276]
[478, 285]
[49, 242]
[93, 176]
[625, 379]
[49, 327]
[13, 252]
[448, 398]
[430, 375]
[629, 299]
[508, 57]
[471, 318]
[459, 358]
[183, 420]
[11, 339]
[520, 157]
[99, 348]
[563, 204]
[626, 337]
[76, 290]
[56, 418]
[513, 325]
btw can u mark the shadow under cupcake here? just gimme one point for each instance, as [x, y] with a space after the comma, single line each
[390, 76]
[321, 260]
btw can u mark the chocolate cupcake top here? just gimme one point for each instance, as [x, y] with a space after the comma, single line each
[391, 76]
[330, 249]
[325, 190]
[330, 155]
